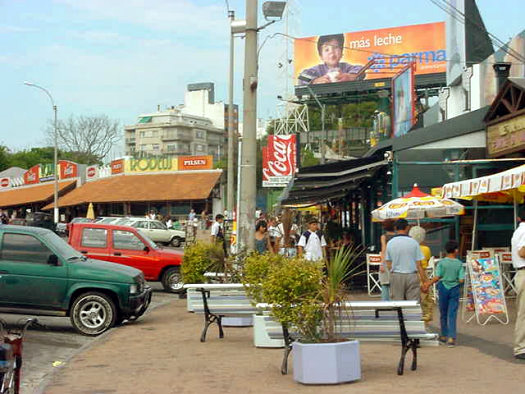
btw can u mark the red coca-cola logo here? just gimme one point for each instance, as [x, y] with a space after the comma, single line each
[281, 156]
[4, 182]
[91, 172]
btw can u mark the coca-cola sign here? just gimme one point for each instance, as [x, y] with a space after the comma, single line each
[91, 172]
[279, 160]
[5, 183]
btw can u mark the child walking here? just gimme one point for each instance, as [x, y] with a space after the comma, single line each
[450, 274]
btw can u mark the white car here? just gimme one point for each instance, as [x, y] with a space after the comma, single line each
[157, 231]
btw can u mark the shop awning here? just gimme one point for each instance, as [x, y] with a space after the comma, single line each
[330, 181]
[194, 185]
[31, 194]
[501, 187]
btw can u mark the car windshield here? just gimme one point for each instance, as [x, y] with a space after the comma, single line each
[62, 247]
[148, 240]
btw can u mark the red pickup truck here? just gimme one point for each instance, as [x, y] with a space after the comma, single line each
[126, 245]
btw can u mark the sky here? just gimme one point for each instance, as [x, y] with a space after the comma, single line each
[122, 58]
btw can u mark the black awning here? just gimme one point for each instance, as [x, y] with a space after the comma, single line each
[331, 181]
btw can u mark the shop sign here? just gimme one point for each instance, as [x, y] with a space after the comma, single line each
[151, 164]
[32, 175]
[68, 169]
[47, 172]
[117, 166]
[196, 162]
[91, 172]
[506, 137]
[279, 160]
[5, 183]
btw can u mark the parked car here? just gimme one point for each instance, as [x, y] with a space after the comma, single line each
[157, 231]
[35, 219]
[128, 246]
[41, 274]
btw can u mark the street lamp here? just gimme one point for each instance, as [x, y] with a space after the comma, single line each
[271, 9]
[55, 160]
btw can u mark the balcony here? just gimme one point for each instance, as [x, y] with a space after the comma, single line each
[130, 140]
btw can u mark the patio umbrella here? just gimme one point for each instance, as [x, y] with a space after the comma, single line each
[90, 212]
[417, 205]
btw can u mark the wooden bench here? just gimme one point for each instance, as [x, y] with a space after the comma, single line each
[397, 321]
[220, 300]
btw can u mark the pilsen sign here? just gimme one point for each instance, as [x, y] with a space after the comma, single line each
[506, 137]
[196, 163]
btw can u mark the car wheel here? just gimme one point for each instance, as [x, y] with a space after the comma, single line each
[93, 313]
[175, 242]
[172, 280]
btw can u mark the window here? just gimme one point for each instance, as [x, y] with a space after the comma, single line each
[200, 134]
[156, 146]
[142, 134]
[143, 147]
[26, 248]
[157, 226]
[94, 237]
[141, 224]
[155, 133]
[126, 240]
[199, 147]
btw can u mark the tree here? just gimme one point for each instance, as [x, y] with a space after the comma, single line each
[90, 137]
[4, 158]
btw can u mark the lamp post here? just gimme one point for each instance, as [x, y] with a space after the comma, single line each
[271, 9]
[55, 159]
[231, 142]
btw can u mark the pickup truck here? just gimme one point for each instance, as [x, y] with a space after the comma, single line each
[129, 246]
[41, 274]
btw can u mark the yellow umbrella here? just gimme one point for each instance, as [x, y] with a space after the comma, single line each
[90, 212]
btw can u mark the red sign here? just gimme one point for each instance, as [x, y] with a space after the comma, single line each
[32, 175]
[5, 183]
[68, 169]
[279, 162]
[91, 172]
[117, 166]
[195, 163]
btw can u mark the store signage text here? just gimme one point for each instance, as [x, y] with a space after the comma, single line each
[151, 164]
[196, 162]
[506, 137]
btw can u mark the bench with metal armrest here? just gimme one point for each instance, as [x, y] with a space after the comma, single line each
[220, 300]
[398, 321]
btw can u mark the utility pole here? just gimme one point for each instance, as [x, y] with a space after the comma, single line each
[231, 136]
[249, 145]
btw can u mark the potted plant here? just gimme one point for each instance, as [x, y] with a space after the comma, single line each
[254, 271]
[199, 258]
[312, 303]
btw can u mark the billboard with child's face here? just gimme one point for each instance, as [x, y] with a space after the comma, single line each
[343, 57]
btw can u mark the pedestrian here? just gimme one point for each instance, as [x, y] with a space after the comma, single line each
[450, 274]
[191, 215]
[258, 212]
[312, 244]
[273, 233]
[384, 273]
[418, 233]
[204, 219]
[217, 232]
[403, 259]
[286, 235]
[4, 219]
[518, 261]
[262, 239]
[169, 222]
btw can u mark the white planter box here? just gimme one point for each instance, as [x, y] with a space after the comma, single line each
[260, 336]
[244, 321]
[326, 363]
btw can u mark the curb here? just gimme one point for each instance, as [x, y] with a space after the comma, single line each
[40, 389]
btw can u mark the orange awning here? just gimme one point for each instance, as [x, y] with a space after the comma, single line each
[23, 195]
[156, 187]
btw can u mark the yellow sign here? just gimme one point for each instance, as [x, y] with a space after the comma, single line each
[151, 164]
[506, 137]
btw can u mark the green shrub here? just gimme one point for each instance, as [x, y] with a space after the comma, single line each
[255, 270]
[200, 258]
[293, 287]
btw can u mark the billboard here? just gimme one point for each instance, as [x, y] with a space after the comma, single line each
[32, 175]
[117, 166]
[343, 57]
[67, 169]
[403, 102]
[279, 160]
[151, 164]
[196, 162]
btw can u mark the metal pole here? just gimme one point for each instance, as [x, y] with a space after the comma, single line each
[249, 145]
[231, 136]
[55, 165]
[325, 138]
[239, 158]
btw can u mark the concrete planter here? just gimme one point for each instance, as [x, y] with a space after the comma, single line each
[245, 321]
[326, 363]
[260, 336]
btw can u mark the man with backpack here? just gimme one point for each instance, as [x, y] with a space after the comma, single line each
[312, 243]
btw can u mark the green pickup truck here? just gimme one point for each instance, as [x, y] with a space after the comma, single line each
[41, 274]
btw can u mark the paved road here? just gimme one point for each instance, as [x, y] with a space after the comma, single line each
[57, 342]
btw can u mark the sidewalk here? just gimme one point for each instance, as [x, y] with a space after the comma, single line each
[161, 353]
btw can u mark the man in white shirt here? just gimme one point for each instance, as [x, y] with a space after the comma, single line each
[518, 260]
[312, 243]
